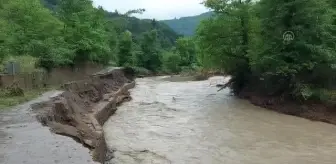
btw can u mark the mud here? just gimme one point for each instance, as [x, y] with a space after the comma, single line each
[313, 111]
[84, 106]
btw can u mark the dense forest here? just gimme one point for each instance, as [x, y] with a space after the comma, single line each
[187, 25]
[68, 32]
[245, 38]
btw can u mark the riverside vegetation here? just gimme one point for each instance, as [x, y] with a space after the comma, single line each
[67, 32]
[52, 33]
[243, 38]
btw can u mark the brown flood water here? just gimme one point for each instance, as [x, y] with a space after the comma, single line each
[203, 126]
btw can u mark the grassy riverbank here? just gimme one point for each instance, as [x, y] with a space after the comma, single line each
[7, 100]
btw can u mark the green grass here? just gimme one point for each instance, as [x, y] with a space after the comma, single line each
[7, 101]
[27, 63]
[327, 95]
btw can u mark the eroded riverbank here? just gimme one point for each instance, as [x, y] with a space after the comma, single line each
[25, 141]
[190, 122]
[315, 111]
[84, 106]
[78, 112]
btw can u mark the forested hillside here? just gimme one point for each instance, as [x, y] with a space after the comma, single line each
[187, 25]
[167, 36]
[67, 32]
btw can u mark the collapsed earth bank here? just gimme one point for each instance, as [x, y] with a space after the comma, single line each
[314, 111]
[84, 106]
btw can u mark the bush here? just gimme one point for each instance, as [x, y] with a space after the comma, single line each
[324, 95]
[171, 62]
[27, 63]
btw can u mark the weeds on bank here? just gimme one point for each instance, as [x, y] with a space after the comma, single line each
[326, 96]
[8, 99]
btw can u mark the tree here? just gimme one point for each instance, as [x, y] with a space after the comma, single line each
[84, 30]
[135, 11]
[224, 39]
[171, 62]
[3, 39]
[73, 31]
[332, 5]
[185, 47]
[300, 64]
[151, 56]
[32, 30]
[125, 49]
[246, 39]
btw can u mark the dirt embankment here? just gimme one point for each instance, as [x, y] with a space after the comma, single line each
[310, 110]
[84, 107]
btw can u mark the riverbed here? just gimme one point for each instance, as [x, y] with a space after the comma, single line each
[182, 122]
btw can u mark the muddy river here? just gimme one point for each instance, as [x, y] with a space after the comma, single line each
[191, 123]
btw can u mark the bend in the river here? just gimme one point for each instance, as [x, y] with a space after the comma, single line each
[190, 122]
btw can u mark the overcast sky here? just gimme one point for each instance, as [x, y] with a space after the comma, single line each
[158, 9]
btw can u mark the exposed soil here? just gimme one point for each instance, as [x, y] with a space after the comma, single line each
[84, 107]
[23, 140]
[309, 110]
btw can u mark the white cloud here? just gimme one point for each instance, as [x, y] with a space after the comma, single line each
[158, 9]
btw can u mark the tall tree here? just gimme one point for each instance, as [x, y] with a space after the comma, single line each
[185, 47]
[125, 49]
[300, 64]
[84, 30]
[171, 62]
[33, 30]
[150, 58]
[224, 39]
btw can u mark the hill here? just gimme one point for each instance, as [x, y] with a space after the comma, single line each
[187, 25]
[167, 36]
